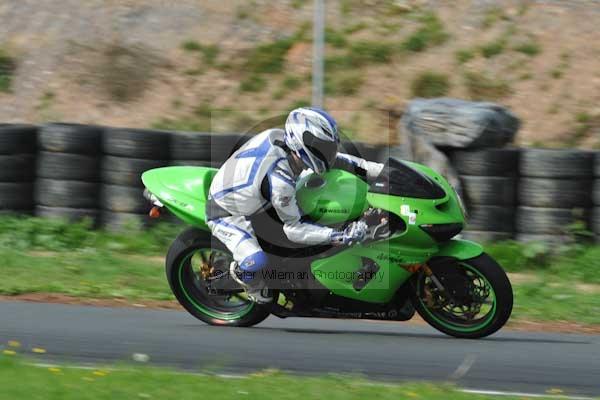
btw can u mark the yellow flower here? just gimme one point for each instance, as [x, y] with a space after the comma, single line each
[554, 391]
[99, 373]
[54, 370]
[38, 350]
[9, 352]
[14, 343]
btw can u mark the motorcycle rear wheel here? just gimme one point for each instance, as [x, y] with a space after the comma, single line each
[191, 248]
[478, 284]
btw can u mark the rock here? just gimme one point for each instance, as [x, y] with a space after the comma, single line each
[452, 123]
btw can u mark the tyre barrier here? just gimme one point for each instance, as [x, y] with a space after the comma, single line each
[74, 171]
[595, 215]
[18, 145]
[68, 171]
[489, 181]
[555, 191]
[128, 153]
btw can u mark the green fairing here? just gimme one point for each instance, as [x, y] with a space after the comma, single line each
[325, 205]
[183, 191]
[342, 197]
[410, 246]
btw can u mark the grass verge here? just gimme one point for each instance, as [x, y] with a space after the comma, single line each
[41, 256]
[21, 381]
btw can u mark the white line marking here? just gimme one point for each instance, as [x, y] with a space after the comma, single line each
[464, 367]
[521, 394]
[235, 376]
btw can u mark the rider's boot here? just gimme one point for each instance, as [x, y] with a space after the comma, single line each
[254, 285]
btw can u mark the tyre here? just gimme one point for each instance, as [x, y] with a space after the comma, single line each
[542, 238]
[196, 163]
[127, 171]
[136, 143]
[190, 146]
[189, 288]
[70, 138]
[18, 138]
[64, 193]
[596, 192]
[491, 162]
[595, 222]
[547, 221]
[559, 193]
[223, 146]
[478, 285]
[488, 190]
[546, 163]
[597, 164]
[486, 236]
[67, 166]
[16, 196]
[490, 218]
[17, 168]
[71, 214]
[124, 199]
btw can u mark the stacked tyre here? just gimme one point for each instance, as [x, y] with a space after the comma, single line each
[554, 193]
[17, 168]
[67, 171]
[203, 149]
[127, 154]
[595, 221]
[489, 180]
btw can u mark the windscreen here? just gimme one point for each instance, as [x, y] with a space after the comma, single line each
[399, 179]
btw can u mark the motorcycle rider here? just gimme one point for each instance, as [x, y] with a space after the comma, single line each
[263, 173]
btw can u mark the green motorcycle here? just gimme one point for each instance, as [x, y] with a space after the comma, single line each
[411, 261]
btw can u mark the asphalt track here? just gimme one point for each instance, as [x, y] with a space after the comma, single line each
[508, 361]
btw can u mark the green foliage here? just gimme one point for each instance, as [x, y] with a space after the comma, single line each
[357, 27]
[298, 4]
[335, 38]
[493, 48]
[464, 55]
[483, 87]
[300, 103]
[291, 82]
[530, 48]
[136, 382]
[182, 124]
[556, 73]
[8, 66]
[365, 52]
[191, 45]
[209, 52]
[253, 83]
[126, 71]
[430, 84]
[346, 84]
[361, 53]
[492, 16]
[431, 33]
[269, 57]
[28, 233]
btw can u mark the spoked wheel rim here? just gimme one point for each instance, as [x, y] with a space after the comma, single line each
[473, 306]
[195, 270]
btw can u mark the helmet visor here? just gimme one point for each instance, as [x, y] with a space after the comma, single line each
[324, 150]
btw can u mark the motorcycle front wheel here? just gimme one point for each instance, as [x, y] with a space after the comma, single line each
[476, 302]
[194, 257]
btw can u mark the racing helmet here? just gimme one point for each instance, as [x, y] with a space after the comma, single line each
[312, 134]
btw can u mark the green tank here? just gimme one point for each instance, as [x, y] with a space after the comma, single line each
[319, 197]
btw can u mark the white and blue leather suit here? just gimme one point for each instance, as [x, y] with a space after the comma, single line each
[257, 176]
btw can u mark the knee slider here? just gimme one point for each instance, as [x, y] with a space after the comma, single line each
[254, 262]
